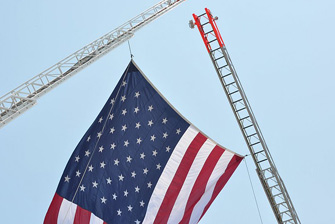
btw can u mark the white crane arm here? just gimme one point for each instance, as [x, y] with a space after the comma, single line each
[23, 97]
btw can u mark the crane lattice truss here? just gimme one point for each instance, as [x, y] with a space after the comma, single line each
[267, 172]
[23, 97]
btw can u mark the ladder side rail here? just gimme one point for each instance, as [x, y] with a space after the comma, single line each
[229, 97]
[278, 184]
[268, 193]
[220, 75]
[256, 161]
[236, 80]
[246, 102]
[264, 145]
[271, 201]
[51, 77]
[248, 108]
[262, 140]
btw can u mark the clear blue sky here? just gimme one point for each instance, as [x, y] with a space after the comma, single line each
[284, 55]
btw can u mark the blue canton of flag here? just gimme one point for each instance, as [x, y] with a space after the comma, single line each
[140, 162]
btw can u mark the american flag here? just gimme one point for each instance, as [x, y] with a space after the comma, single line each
[140, 162]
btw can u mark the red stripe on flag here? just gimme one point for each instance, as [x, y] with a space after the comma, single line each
[82, 216]
[234, 162]
[178, 179]
[52, 214]
[199, 186]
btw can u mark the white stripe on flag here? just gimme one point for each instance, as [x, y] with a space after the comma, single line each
[67, 212]
[206, 197]
[168, 174]
[95, 220]
[182, 199]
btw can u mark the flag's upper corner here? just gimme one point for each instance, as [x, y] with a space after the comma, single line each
[132, 66]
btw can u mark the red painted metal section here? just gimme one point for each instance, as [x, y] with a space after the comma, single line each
[209, 17]
[202, 33]
[215, 28]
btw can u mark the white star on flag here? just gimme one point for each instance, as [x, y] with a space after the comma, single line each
[90, 168]
[114, 196]
[82, 188]
[95, 184]
[124, 112]
[113, 145]
[101, 148]
[138, 141]
[67, 179]
[150, 123]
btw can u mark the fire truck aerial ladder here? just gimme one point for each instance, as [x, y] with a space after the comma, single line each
[23, 97]
[267, 172]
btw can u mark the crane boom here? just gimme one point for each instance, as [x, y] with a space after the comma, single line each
[272, 183]
[23, 97]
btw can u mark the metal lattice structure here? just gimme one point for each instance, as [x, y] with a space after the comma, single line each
[23, 97]
[267, 172]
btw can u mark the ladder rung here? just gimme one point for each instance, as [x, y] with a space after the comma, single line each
[255, 143]
[284, 212]
[244, 118]
[241, 109]
[209, 32]
[267, 169]
[288, 221]
[234, 91]
[284, 202]
[269, 178]
[204, 24]
[224, 67]
[202, 14]
[277, 194]
[219, 58]
[262, 160]
[236, 101]
[251, 136]
[274, 186]
[216, 49]
[212, 41]
[258, 153]
[230, 84]
[248, 126]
